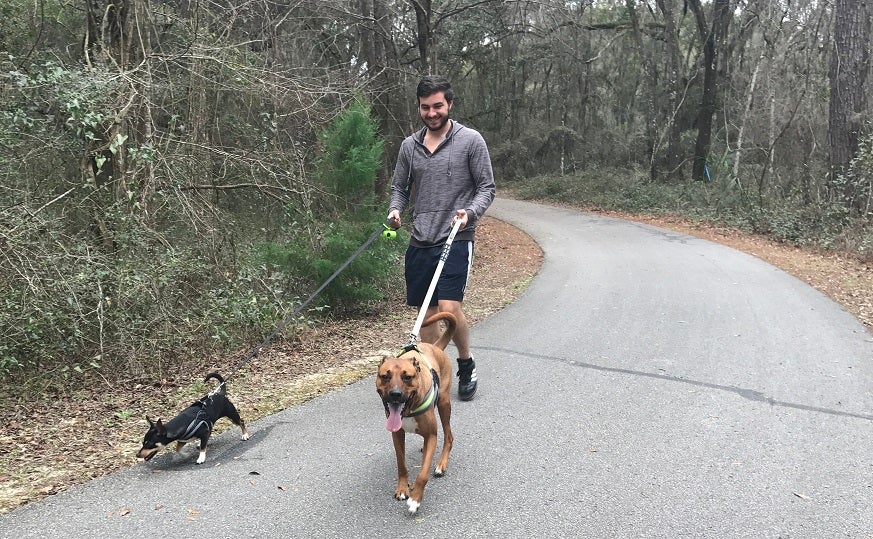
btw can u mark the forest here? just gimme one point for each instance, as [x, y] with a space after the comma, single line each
[178, 174]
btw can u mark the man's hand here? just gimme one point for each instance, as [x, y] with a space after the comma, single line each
[460, 215]
[394, 219]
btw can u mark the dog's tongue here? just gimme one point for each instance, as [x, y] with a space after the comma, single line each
[395, 420]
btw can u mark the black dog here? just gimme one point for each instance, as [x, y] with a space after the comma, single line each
[195, 421]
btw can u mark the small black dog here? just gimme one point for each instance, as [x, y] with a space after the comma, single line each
[195, 421]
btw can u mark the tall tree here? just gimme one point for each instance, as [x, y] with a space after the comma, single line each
[849, 63]
[712, 38]
[675, 89]
[425, 36]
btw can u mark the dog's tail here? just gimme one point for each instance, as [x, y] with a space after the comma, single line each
[451, 324]
[214, 374]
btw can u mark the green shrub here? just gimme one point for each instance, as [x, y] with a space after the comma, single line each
[348, 215]
[351, 157]
[366, 277]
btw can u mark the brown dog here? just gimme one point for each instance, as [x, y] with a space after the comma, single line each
[411, 386]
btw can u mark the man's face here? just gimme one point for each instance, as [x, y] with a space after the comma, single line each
[434, 110]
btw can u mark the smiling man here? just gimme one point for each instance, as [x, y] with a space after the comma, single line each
[444, 171]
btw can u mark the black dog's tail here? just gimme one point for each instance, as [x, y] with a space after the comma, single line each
[222, 388]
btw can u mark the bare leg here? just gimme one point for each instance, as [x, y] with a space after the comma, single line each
[431, 333]
[461, 338]
[462, 330]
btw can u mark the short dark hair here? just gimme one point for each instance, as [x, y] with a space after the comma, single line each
[432, 84]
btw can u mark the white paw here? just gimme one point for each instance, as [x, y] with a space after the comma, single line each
[202, 458]
[412, 505]
[245, 436]
[439, 472]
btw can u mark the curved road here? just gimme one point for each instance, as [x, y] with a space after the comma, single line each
[647, 384]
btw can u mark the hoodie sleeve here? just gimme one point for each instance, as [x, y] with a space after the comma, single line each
[483, 176]
[401, 182]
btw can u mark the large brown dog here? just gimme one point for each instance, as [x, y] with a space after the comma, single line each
[411, 386]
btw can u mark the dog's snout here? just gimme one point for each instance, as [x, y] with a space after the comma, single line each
[395, 394]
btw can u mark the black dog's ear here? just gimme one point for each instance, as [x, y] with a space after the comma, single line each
[162, 430]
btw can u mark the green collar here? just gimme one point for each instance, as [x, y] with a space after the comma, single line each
[429, 399]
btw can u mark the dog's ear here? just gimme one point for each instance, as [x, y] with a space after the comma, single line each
[150, 422]
[416, 364]
[162, 430]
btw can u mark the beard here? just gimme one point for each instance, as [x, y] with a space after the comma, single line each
[437, 123]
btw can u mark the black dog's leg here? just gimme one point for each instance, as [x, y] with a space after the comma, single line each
[201, 458]
[233, 415]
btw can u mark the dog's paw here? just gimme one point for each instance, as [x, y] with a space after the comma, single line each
[202, 458]
[439, 472]
[245, 436]
[413, 506]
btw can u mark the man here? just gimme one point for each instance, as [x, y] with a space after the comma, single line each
[445, 171]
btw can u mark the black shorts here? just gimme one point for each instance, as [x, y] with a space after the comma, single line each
[421, 263]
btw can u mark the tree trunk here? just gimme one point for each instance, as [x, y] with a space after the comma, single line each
[712, 39]
[649, 88]
[847, 73]
[673, 81]
[743, 119]
[107, 31]
[423, 14]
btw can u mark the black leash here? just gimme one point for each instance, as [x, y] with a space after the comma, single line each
[385, 230]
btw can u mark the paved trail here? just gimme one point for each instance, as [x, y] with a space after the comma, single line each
[647, 384]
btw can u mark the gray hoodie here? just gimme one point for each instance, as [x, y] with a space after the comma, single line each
[457, 175]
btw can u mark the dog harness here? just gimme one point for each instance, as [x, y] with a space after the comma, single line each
[431, 398]
[198, 421]
[193, 427]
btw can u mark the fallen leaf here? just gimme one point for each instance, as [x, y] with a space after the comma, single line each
[283, 487]
[801, 496]
[124, 512]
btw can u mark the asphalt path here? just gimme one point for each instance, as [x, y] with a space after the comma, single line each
[646, 384]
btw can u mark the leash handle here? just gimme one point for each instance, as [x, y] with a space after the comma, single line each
[433, 282]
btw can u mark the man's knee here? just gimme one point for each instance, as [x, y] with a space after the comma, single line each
[449, 305]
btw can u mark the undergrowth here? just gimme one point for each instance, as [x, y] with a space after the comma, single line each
[783, 218]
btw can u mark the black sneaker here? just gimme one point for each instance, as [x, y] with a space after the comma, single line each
[466, 378]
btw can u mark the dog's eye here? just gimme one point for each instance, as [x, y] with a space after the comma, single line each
[406, 377]
[385, 376]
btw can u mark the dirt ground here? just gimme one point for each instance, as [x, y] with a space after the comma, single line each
[54, 440]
